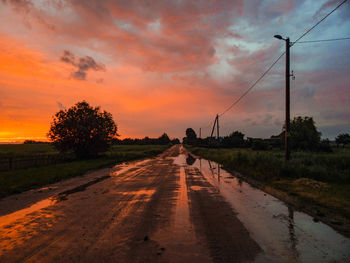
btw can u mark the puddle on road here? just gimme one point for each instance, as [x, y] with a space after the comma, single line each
[22, 224]
[285, 235]
[182, 245]
[127, 166]
[196, 187]
[145, 192]
[10, 218]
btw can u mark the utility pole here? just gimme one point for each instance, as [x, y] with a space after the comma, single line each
[288, 75]
[287, 129]
[212, 131]
[217, 126]
[200, 133]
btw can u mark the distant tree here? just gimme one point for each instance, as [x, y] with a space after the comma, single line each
[235, 139]
[304, 134]
[83, 129]
[191, 134]
[343, 138]
[164, 139]
[175, 141]
[191, 137]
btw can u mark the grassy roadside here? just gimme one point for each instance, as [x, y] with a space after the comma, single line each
[17, 181]
[317, 183]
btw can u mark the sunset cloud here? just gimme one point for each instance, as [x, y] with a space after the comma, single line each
[82, 64]
[163, 66]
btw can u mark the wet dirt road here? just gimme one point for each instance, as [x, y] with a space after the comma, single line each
[172, 208]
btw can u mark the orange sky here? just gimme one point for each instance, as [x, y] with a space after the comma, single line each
[167, 66]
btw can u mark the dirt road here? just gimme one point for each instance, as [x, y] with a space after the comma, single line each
[171, 208]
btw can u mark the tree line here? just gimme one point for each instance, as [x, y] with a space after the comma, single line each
[303, 136]
[87, 131]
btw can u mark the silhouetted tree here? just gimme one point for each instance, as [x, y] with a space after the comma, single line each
[191, 137]
[304, 134]
[191, 134]
[83, 129]
[34, 142]
[175, 141]
[235, 139]
[164, 139]
[343, 138]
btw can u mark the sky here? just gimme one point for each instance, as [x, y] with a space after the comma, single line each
[163, 66]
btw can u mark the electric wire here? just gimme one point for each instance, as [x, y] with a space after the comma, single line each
[263, 75]
[252, 86]
[323, 40]
[319, 22]
[274, 63]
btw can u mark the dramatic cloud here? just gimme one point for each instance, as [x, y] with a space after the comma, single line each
[82, 64]
[172, 64]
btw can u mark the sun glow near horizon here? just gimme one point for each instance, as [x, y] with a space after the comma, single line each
[167, 67]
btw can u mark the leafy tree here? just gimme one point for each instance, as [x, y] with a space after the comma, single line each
[191, 134]
[164, 139]
[175, 141]
[304, 134]
[235, 139]
[191, 137]
[343, 138]
[83, 129]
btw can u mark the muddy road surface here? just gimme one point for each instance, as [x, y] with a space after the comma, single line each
[172, 208]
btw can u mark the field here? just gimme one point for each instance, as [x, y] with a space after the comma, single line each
[318, 182]
[19, 180]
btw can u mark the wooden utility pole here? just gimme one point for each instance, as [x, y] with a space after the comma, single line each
[217, 126]
[212, 130]
[287, 124]
[200, 133]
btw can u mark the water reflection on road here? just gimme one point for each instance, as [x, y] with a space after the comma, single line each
[285, 235]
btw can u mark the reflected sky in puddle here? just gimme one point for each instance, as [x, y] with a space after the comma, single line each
[17, 227]
[9, 218]
[280, 231]
[182, 245]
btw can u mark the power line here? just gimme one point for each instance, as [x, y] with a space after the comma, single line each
[263, 75]
[251, 87]
[323, 40]
[319, 22]
[274, 63]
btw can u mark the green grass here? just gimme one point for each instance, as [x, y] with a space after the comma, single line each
[269, 165]
[16, 150]
[270, 169]
[17, 181]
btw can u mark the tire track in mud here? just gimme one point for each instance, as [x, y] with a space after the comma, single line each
[216, 223]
